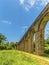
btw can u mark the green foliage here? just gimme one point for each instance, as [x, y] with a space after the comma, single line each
[7, 46]
[13, 57]
[47, 35]
[4, 45]
[2, 38]
[12, 44]
[46, 42]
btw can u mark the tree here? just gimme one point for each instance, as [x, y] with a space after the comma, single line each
[2, 38]
[12, 44]
[46, 42]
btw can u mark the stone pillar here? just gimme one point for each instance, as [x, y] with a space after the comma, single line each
[18, 47]
[32, 42]
[29, 45]
[26, 44]
[22, 46]
[39, 42]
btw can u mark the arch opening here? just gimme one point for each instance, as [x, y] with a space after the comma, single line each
[40, 34]
[46, 39]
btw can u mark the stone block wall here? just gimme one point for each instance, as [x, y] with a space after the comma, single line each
[26, 43]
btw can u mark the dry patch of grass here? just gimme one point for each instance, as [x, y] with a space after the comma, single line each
[41, 60]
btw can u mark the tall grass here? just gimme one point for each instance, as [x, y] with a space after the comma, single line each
[13, 57]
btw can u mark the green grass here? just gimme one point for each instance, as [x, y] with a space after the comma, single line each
[13, 57]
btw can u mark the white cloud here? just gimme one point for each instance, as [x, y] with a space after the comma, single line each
[28, 4]
[21, 1]
[44, 2]
[31, 2]
[24, 27]
[5, 21]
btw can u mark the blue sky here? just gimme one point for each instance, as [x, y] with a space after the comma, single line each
[16, 16]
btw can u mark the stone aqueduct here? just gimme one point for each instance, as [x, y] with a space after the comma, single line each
[26, 43]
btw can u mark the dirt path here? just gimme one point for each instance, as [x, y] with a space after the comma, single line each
[39, 59]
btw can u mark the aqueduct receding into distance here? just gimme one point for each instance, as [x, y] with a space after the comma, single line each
[26, 43]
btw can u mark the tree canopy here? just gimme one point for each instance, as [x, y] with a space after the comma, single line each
[2, 38]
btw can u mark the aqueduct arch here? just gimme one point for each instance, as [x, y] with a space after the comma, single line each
[26, 43]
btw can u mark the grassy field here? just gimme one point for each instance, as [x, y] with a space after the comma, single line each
[13, 57]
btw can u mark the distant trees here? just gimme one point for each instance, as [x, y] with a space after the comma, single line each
[46, 45]
[2, 38]
[46, 42]
[4, 45]
[47, 35]
[7, 46]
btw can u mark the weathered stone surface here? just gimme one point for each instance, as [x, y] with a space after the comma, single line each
[26, 43]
